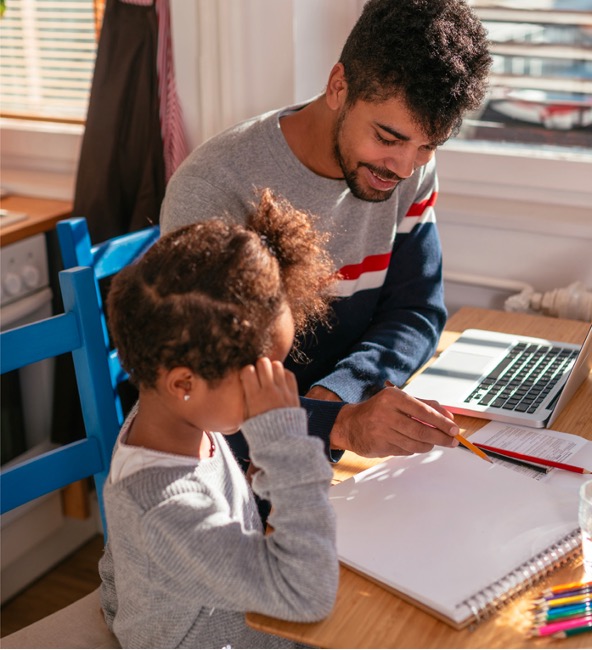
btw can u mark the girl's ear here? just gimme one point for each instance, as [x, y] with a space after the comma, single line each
[180, 383]
[336, 92]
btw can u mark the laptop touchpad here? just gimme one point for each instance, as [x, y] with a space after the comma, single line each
[462, 365]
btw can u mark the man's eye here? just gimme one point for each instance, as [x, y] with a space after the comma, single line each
[384, 140]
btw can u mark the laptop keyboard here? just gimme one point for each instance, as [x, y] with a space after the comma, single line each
[524, 378]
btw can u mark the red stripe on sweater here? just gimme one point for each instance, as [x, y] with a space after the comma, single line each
[367, 265]
[417, 209]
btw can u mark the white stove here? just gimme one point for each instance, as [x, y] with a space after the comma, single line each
[25, 297]
[23, 269]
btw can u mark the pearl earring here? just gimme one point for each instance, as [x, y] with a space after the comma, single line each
[186, 397]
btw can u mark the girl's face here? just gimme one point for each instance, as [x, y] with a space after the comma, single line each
[222, 408]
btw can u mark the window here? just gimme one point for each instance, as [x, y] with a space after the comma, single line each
[48, 50]
[541, 79]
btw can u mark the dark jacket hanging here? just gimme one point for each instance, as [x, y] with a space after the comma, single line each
[121, 178]
[121, 172]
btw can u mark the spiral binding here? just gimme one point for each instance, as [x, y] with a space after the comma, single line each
[489, 600]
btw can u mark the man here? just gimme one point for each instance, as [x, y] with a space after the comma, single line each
[361, 158]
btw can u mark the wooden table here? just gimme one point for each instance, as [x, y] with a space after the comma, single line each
[42, 216]
[367, 616]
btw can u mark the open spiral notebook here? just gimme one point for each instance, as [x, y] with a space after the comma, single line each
[452, 533]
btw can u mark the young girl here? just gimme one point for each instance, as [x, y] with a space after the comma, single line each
[203, 323]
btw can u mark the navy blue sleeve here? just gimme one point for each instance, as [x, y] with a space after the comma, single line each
[321, 416]
[407, 319]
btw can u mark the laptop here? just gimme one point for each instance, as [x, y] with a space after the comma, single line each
[515, 379]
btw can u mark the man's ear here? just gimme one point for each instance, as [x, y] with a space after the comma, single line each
[336, 92]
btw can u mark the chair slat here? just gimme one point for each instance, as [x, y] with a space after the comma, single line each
[48, 472]
[106, 259]
[78, 330]
[111, 256]
[75, 245]
[41, 340]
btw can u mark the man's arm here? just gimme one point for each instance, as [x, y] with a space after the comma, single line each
[406, 324]
[403, 335]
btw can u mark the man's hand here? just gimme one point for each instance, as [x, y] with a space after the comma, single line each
[268, 385]
[391, 423]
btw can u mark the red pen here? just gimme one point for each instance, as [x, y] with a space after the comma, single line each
[534, 459]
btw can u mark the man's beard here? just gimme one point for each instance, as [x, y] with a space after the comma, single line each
[351, 175]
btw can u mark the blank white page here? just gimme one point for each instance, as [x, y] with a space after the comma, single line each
[441, 527]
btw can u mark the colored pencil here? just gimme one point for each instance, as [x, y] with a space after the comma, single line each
[573, 631]
[568, 586]
[534, 459]
[558, 609]
[562, 626]
[566, 593]
[560, 613]
[566, 600]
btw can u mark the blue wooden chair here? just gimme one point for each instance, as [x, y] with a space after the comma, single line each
[82, 330]
[106, 259]
[78, 331]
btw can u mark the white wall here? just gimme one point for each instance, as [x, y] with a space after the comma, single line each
[236, 58]
[517, 219]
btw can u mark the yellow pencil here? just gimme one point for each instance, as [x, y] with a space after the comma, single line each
[471, 446]
[463, 441]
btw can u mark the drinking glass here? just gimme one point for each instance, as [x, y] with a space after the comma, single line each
[585, 519]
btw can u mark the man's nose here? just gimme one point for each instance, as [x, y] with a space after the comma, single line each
[404, 164]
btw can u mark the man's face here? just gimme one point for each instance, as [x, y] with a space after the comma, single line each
[378, 145]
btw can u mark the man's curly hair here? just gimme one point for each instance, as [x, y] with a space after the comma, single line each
[432, 53]
[207, 296]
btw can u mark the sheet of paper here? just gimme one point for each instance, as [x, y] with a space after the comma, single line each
[542, 443]
[440, 527]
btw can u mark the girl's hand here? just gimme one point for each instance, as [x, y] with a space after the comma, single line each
[268, 385]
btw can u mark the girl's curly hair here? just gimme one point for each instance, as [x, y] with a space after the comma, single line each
[207, 296]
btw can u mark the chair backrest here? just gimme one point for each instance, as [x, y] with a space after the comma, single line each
[105, 259]
[78, 331]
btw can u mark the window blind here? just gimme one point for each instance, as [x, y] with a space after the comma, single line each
[541, 78]
[47, 56]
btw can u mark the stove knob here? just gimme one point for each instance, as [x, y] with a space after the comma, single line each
[13, 283]
[31, 276]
